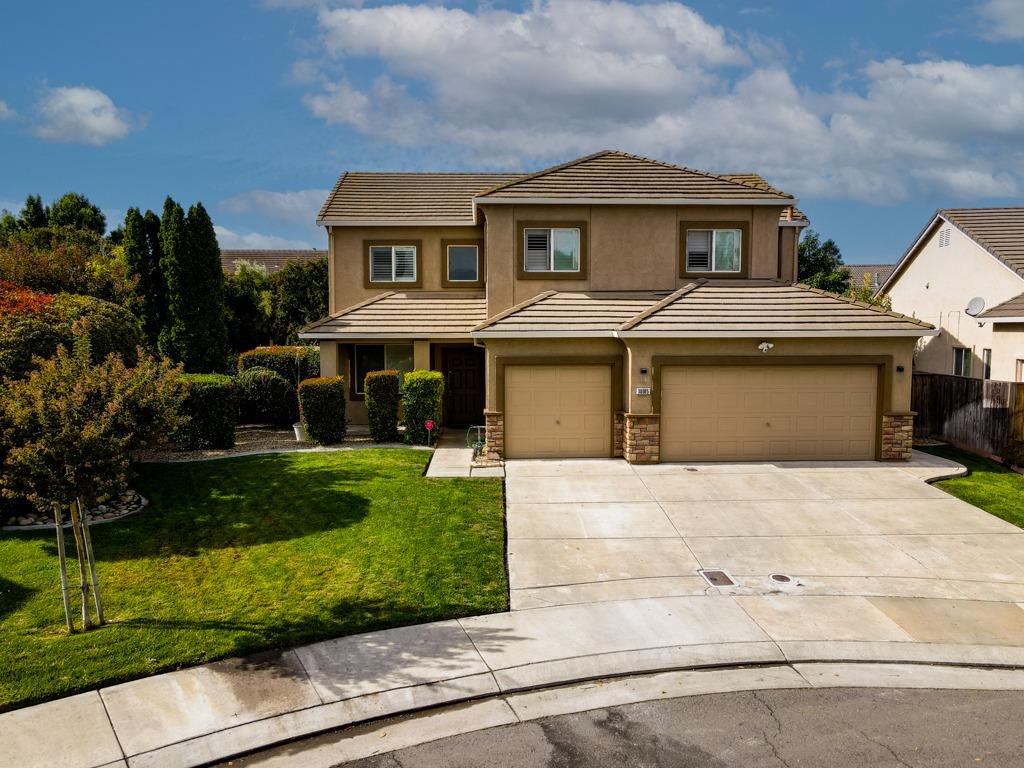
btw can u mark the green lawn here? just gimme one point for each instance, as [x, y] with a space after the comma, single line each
[997, 490]
[237, 555]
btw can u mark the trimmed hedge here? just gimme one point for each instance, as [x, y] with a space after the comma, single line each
[383, 395]
[294, 363]
[421, 400]
[211, 403]
[322, 405]
[111, 329]
[265, 396]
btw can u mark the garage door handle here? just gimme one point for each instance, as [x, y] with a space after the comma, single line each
[558, 421]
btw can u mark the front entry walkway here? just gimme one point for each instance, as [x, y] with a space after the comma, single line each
[589, 531]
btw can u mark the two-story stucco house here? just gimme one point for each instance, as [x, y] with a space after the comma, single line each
[964, 274]
[611, 306]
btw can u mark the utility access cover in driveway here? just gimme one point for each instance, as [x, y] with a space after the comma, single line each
[593, 530]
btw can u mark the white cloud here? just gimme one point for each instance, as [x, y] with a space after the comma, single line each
[230, 239]
[298, 207]
[565, 77]
[1002, 19]
[82, 115]
[6, 112]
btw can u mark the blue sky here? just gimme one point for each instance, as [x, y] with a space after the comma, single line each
[872, 113]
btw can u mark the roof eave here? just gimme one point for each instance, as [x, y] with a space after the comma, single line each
[602, 334]
[1001, 319]
[351, 336]
[396, 222]
[635, 201]
[770, 334]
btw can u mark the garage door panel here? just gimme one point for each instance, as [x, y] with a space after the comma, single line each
[557, 411]
[768, 412]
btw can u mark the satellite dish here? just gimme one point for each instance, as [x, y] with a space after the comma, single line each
[975, 306]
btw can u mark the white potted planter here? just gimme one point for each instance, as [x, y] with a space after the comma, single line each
[300, 432]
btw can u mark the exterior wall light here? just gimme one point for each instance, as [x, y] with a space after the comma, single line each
[643, 377]
[766, 346]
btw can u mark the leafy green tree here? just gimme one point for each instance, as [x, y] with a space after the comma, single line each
[8, 225]
[146, 270]
[34, 215]
[248, 306]
[77, 212]
[300, 297]
[866, 292]
[820, 264]
[67, 433]
[195, 333]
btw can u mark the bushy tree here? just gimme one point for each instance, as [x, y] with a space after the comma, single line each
[8, 225]
[34, 215]
[68, 431]
[248, 304]
[820, 264]
[300, 297]
[195, 333]
[75, 211]
[866, 292]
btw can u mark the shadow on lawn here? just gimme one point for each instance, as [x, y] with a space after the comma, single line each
[233, 503]
[12, 595]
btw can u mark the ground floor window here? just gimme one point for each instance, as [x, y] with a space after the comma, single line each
[961, 361]
[986, 363]
[379, 357]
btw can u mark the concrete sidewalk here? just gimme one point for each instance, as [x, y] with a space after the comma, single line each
[453, 459]
[213, 712]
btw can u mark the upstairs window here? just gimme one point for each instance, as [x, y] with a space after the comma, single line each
[961, 361]
[551, 250]
[393, 264]
[713, 250]
[463, 263]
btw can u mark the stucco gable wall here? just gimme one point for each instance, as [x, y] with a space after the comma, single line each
[936, 287]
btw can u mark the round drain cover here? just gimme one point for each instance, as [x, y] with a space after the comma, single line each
[781, 578]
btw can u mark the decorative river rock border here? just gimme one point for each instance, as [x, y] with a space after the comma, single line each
[122, 505]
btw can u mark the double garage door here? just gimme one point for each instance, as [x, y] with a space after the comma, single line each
[708, 413]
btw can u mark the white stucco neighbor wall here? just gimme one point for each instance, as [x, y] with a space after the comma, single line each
[936, 287]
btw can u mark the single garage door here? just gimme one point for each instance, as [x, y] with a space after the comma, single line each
[743, 413]
[557, 411]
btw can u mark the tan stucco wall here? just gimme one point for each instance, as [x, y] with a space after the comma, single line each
[347, 258]
[936, 286]
[629, 247]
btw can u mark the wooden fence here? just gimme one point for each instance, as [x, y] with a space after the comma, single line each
[985, 416]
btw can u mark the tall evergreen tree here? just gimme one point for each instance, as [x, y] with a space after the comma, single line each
[195, 333]
[151, 222]
[136, 255]
[34, 215]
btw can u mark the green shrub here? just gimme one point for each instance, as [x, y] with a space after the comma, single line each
[382, 398]
[322, 405]
[265, 396]
[293, 363]
[421, 400]
[111, 329]
[211, 403]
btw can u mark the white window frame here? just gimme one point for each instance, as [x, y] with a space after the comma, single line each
[964, 369]
[551, 249]
[394, 278]
[712, 266]
[448, 266]
[986, 364]
[358, 381]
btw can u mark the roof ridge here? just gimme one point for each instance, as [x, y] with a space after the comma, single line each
[513, 174]
[659, 305]
[865, 305]
[543, 171]
[512, 310]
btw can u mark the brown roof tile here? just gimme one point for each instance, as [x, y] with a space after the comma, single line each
[406, 198]
[614, 175]
[877, 273]
[557, 312]
[271, 261]
[447, 314]
[1010, 308]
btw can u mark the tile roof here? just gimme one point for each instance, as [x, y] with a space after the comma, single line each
[857, 272]
[1000, 231]
[272, 261]
[404, 316]
[707, 308]
[1010, 308]
[618, 175]
[556, 312]
[769, 308]
[406, 198]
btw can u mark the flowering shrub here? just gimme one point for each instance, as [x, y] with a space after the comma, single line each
[18, 300]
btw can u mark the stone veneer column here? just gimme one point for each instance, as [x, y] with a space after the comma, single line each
[641, 438]
[617, 434]
[494, 423]
[897, 436]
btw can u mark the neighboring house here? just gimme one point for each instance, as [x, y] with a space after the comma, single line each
[271, 261]
[613, 305]
[965, 274]
[876, 274]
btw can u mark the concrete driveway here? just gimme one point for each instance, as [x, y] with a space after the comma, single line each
[596, 530]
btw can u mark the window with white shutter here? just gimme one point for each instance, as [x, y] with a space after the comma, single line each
[393, 264]
[551, 250]
[698, 250]
[714, 250]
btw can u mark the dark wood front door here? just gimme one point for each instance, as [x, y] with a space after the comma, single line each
[463, 369]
